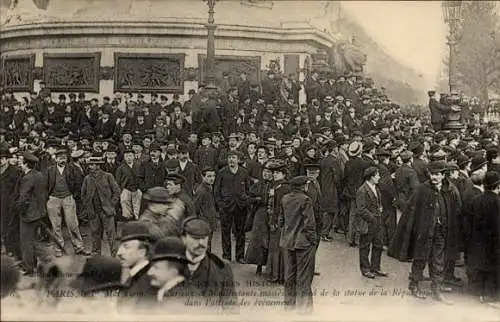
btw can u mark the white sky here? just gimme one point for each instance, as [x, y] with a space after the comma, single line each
[411, 31]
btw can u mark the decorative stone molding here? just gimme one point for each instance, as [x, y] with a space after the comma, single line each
[191, 74]
[38, 73]
[72, 72]
[233, 66]
[107, 73]
[17, 72]
[149, 72]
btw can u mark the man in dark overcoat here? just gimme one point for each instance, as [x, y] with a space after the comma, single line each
[9, 180]
[298, 241]
[405, 180]
[204, 202]
[484, 255]
[428, 229]
[388, 197]
[208, 274]
[329, 179]
[153, 172]
[438, 111]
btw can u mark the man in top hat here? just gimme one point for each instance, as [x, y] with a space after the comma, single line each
[207, 273]
[64, 184]
[168, 273]
[231, 194]
[32, 211]
[369, 224]
[298, 241]
[9, 177]
[405, 180]
[429, 224]
[100, 195]
[133, 253]
[484, 255]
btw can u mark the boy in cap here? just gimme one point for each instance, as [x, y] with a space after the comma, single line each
[207, 272]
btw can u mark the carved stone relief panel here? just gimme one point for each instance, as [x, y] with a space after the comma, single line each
[17, 72]
[72, 72]
[233, 66]
[149, 73]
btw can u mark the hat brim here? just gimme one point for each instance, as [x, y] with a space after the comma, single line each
[171, 257]
[85, 287]
[479, 166]
[143, 237]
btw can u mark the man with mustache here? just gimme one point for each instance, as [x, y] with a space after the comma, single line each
[208, 274]
[64, 183]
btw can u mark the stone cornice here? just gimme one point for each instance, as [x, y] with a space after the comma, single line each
[163, 28]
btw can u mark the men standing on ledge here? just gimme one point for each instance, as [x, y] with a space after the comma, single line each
[298, 241]
[438, 111]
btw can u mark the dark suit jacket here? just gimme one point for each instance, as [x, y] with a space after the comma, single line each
[32, 199]
[368, 207]
[192, 175]
[138, 293]
[298, 222]
[204, 203]
[406, 181]
[73, 176]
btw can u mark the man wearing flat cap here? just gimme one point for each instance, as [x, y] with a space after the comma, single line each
[174, 183]
[207, 273]
[299, 238]
[133, 252]
[427, 231]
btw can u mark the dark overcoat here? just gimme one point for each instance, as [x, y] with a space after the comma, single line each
[137, 293]
[329, 178]
[257, 223]
[411, 240]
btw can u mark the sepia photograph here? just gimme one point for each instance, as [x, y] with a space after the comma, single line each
[249, 160]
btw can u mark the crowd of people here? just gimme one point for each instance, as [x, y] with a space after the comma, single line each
[276, 176]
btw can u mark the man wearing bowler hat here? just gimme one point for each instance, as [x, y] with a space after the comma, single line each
[298, 240]
[100, 195]
[133, 252]
[207, 272]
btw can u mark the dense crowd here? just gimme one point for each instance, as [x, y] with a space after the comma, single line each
[249, 159]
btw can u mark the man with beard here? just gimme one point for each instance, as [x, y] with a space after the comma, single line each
[64, 184]
[207, 273]
[485, 240]
[426, 230]
[230, 191]
[100, 194]
[204, 202]
[9, 179]
[133, 252]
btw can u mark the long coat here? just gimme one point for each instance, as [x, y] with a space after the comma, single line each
[104, 185]
[484, 252]
[9, 181]
[411, 240]
[329, 179]
[257, 223]
[406, 181]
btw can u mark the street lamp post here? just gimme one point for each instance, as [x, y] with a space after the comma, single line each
[452, 16]
[210, 61]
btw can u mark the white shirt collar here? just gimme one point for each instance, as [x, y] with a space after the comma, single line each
[168, 286]
[138, 266]
[479, 187]
[61, 169]
[374, 189]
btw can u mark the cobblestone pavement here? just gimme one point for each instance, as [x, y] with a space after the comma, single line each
[341, 293]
